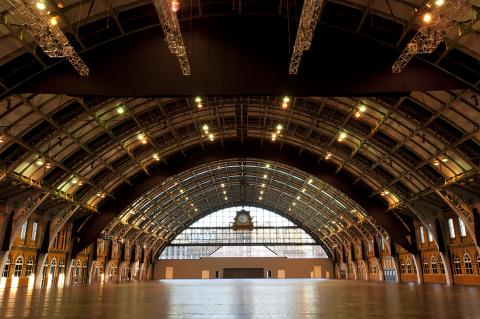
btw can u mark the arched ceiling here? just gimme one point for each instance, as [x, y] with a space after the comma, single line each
[404, 146]
[169, 207]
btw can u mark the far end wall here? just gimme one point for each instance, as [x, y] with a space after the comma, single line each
[279, 267]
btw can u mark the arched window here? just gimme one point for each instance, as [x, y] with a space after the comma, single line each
[426, 268]
[17, 272]
[84, 273]
[409, 265]
[433, 262]
[468, 264]
[61, 267]
[478, 264]
[76, 276]
[272, 235]
[6, 269]
[402, 266]
[457, 266]
[29, 269]
[53, 266]
[442, 266]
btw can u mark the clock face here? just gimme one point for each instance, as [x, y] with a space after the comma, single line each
[242, 218]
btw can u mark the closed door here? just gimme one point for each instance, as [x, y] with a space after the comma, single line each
[205, 274]
[169, 273]
[317, 271]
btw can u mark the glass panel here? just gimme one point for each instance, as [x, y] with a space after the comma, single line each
[272, 235]
[451, 228]
[463, 230]
[23, 233]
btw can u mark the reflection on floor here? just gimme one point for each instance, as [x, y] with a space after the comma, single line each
[244, 298]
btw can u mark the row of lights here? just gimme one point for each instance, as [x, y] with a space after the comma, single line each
[427, 17]
[142, 138]
[207, 133]
[278, 132]
[41, 6]
[222, 185]
[441, 159]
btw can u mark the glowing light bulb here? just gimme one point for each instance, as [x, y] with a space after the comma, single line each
[199, 105]
[210, 137]
[120, 110]
[286, 99]
[40, 6]
[205, 127]
[175, 5]
[279, 127]
[439, 3]
[53, 21]
[198, 99]
[427, 18]
[357, 114]
[362, 108]
[284, 105]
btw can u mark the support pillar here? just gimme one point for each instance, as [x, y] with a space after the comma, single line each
[419, 268]
[448, 268]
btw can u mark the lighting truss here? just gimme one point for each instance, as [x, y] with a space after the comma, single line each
[432, 33]
[306, 28]
[47, 35]
[173, 36]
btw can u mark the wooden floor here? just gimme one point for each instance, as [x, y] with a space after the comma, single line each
[244, 298]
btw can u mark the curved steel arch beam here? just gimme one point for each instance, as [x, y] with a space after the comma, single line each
[111, 208]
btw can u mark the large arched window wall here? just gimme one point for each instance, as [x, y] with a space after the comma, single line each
[272, 236]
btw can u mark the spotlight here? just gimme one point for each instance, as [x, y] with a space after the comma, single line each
[427, 18]
[53, 21]
[175, 5]
[40, 5]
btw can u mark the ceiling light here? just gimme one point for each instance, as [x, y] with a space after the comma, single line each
[120, 109]
[225, 192]
[382, 193]
[74, 180]
[265, 175]
[48, 165]
[53, 21]
[274, 136]
[279, 127]
[144, 141]
[60, 5]
[226, 198]
[102, 195]
[80, 183]
[342, 136]
[294, 203]
[181, 191]
[304, 190]
[284, 105]
[357, 114]
[427, 18]
[211, 136]
[444, 159]
[40, 5]
[198, 99]
[205, 127]
[141, 136]
[223, 185]
[298, 197]
[436, 162]
[263, 185]
[386, 192]
[286, 99]
[260, 197]
[175, 5]
[39, 161]
[267, 165]
[362, 108]
[1, 139]
[199, 105]
[328, 156]
[310, 181]
[261, 192]
[156, 157]
[439, 3]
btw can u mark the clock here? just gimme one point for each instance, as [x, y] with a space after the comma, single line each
[242, 220]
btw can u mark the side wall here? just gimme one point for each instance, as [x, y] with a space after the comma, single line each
[294, 268]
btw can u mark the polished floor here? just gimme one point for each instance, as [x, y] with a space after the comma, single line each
[255, 298]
